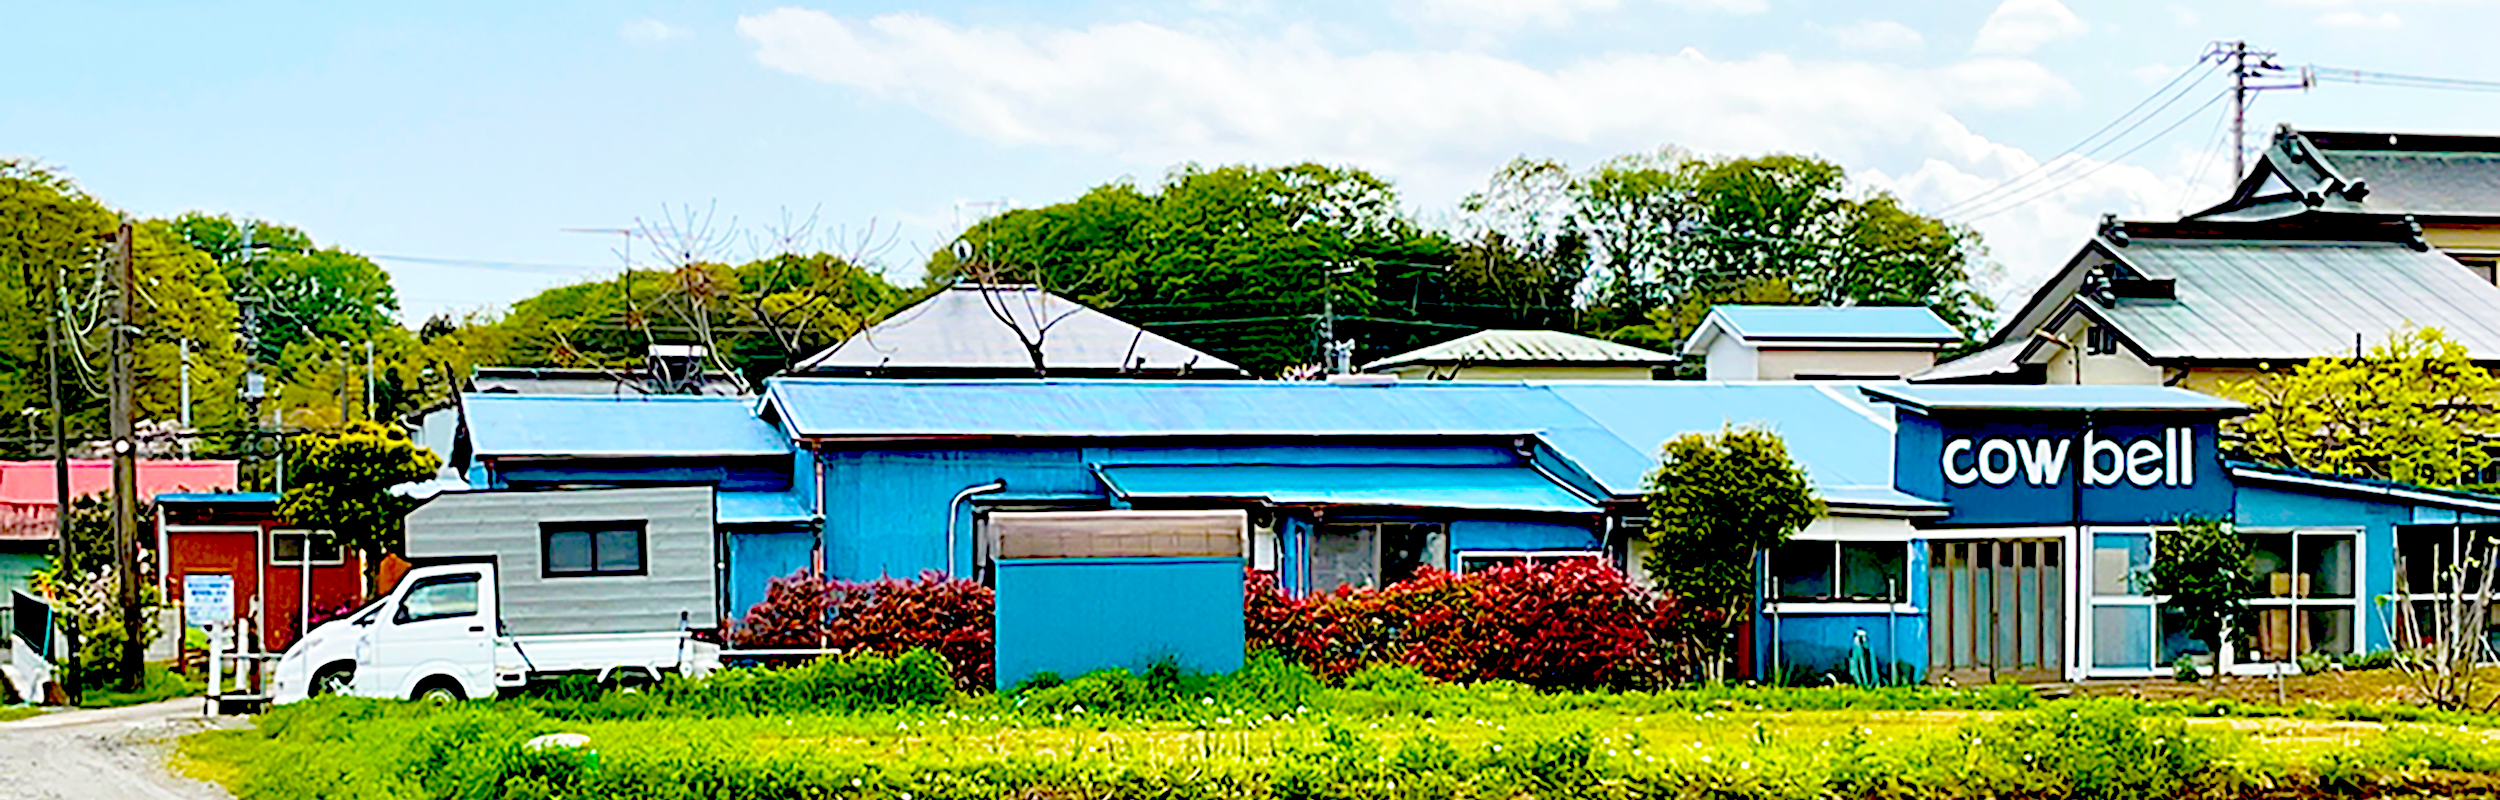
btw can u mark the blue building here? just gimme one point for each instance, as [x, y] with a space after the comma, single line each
[1975, 533]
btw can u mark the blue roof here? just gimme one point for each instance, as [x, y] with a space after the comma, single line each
[1471, 487]
[746, 508]
[1886, 323]
[236, 498]
[558, 425]
[1927, 397]
[1839, 438]
[1610, 429]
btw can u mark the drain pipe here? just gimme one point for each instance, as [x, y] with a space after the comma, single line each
[955, 507]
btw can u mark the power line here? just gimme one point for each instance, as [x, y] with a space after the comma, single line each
[496, 265]
[2054, 163]
[2157, 136]
[2314, 72]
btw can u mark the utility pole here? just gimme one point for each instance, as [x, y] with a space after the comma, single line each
[60, 469]
[126, 457]
[2245, 65]
[185, 431]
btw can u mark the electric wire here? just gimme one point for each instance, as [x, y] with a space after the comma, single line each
[2058, 162]
[2372, 78]
[2157, 136]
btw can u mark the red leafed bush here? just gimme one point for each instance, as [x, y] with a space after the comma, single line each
[954, 618]
[1572, 624]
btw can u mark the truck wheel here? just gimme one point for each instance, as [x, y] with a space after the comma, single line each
[439, 690]
[333, 680]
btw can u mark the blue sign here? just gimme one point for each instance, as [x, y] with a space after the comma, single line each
[2056, 470]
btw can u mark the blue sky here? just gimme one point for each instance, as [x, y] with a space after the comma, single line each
[475, 132]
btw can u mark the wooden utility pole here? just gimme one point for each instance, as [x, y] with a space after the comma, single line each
[126, 459]
[60, 477]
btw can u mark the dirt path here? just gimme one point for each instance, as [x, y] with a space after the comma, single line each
[105, 755]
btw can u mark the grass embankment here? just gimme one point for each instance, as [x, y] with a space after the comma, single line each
[878, 728]
[159, 683]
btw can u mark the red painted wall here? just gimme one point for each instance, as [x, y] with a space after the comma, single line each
[239, 553]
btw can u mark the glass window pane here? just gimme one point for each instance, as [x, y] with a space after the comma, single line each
[2272, 640]
[2271, 555]
[2326, 630]
[286, 548]
[620, 551]
[2177, 640]
[325, 547]
[1478, 563]
[2422, 549]
[2118, 563]
[1802, 570]
[568, 551]
[2122, 637]
[2326, 565]
[1872, 570]
[449, 597]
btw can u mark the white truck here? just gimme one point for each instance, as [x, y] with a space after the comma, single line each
[437, 636]
[517, 586]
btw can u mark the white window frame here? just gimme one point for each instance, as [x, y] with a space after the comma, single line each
[2085, 659]
[339, 552]
[2402, 594]
[2296, 604]
[1901, 602]
[2228, 660]
[1458, 559]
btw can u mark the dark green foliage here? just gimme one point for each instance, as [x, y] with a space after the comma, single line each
[2206, 569]
[1715, 501]
[340, 481]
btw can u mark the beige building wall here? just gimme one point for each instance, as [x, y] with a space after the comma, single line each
[1786, 365]
[1730, 360]
[1502, 373]
[2119, 368]
[2483, 238]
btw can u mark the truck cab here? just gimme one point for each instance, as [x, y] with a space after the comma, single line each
[432, 636]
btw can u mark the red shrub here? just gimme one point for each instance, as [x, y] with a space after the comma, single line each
[1571, 624]
[953, 618]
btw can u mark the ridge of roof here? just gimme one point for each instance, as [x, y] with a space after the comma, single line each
[1524, 346]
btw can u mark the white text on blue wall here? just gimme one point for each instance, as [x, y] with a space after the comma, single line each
[2167, 460]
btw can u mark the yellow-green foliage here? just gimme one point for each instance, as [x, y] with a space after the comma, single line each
[2414, 410]
[1175, 735]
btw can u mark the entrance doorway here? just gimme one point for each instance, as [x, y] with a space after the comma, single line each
[1996, 610]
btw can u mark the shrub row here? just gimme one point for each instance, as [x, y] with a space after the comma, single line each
[1573, 624]
[952, 617]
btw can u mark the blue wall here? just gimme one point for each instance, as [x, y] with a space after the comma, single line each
[1819, 644]
[1077, 615]
[1507, 534]
[756, 558]
[2268, 507]
[1922, 460]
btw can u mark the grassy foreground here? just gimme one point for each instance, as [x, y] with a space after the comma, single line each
[873, 729]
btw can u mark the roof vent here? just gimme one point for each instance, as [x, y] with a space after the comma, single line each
[2359, 189]
[2144, 288]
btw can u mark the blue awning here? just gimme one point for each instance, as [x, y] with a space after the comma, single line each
[1399, 486]
[752, 508]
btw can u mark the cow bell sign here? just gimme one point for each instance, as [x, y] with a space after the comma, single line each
[1995, 470]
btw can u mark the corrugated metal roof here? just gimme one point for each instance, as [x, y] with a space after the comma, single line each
[560, 425]
[1853, 323]
[2464, 184]
[1839, 438]
[1980, 397]
[748, 508]
[1611, 429]
[959, 328]
[1525, 347]
[2252, 300]
[1476, 487]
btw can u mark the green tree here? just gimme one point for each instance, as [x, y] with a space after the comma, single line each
[339, 480]
[1715, 502]
[2416, 409]
[2207, 570]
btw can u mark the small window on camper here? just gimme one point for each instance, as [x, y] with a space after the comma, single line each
[581, 549]
[286, 548]
[438, 597]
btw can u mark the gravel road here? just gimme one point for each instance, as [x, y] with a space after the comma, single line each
[107, 754]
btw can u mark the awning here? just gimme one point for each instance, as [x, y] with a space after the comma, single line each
[1516, 488]
[754, 508]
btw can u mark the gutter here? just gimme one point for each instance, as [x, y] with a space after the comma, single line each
[2409, 495]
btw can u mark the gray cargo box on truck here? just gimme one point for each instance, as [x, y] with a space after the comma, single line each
[672, 576]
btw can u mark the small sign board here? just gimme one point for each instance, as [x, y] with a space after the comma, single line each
[30, 621]
[207, 599]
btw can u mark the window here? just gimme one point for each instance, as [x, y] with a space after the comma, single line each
[2305, 601]
[2100, 340]
[2435, 580]
[286, 548]
[1821, 570]
[1374, 553]
[1473, 561]
[2126, 625]
[439, 597]
[2484, 265]
[582, 549]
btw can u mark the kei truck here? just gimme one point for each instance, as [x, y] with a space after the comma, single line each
[513, 587]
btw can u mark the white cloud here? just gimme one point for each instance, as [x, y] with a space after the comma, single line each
[2383, 20]
[2184, 16]
[650, 31]
[1439, 121]
[1500, 14]
[1877, 35]
[2019, 27]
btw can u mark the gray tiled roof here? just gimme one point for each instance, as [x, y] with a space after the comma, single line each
[959, 329]
[2241, 299]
